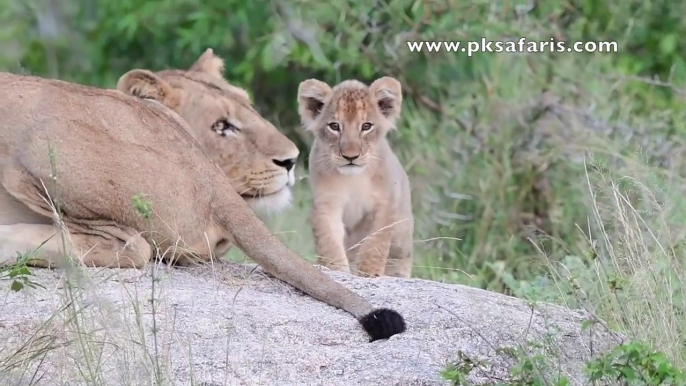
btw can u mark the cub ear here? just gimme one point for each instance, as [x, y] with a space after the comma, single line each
[312, 95]
[388, 95]
[210, 64]
[146, 85]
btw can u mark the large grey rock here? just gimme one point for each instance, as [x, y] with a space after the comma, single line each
[232, 325]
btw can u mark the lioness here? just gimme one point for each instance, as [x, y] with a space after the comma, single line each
[86, 152]
[362, 208]
[258, 159]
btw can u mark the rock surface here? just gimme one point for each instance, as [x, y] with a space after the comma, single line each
[230, 324]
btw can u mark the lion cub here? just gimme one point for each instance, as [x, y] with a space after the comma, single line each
[361, 211]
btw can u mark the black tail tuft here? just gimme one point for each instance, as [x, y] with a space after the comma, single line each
[382, 323]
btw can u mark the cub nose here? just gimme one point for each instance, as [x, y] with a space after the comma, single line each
[286, 163]
[350, 158]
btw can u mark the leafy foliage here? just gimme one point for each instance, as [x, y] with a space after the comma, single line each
[635, 364]
[19, 274]
[631, 364]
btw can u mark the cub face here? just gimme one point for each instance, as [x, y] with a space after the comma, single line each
[349, 120]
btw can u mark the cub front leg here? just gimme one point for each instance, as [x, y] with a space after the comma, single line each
[399, 263]
[375, 247]
[329, 234]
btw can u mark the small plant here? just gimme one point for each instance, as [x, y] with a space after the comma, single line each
[142, 206]
[635, 364]
[19, 273]
[527, 373]
[527, 370]
[458, 371]
[144, 209]
[629, 364]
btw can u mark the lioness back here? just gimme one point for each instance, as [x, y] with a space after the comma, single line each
[362, 213]
[106, 147]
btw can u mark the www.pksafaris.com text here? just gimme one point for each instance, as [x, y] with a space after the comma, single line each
[516, 46]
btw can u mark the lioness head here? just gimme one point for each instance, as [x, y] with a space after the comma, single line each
[351, 119]
[258, 159]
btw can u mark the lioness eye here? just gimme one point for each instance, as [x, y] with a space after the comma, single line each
[334, 126]
[223, 127]
[366, 126]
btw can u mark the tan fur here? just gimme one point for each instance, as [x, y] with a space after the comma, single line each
[109, 147]
[258, 159]
[362, 209]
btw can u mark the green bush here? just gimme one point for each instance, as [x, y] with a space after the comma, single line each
[633, 363]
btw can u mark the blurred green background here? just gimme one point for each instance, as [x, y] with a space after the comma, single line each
[516, 160]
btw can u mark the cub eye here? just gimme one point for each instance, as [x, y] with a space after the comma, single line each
[334, 126]
[366, 126]
[224, 127]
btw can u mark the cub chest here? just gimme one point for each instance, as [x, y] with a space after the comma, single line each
[358, 204]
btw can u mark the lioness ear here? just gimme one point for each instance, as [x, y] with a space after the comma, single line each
[144, 84]
[312, 95]
[210, 64]
[388, 95]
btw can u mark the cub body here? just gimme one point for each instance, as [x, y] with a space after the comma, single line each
[361, 213]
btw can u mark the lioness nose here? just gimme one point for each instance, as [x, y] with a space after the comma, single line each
[350, 158]
[285, 163]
